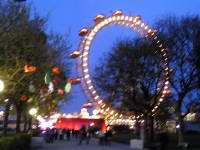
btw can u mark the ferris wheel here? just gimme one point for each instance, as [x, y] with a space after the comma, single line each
[87, 35]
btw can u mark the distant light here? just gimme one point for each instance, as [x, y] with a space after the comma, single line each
[33, 111]
[95, 112]
[178, 126]
[91, 124]
[6, 100]
[1, 85]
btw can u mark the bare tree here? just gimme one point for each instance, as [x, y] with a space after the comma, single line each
[131, 77]
[181, 34]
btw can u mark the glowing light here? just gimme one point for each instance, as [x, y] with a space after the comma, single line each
[107, 109]
[85, 70]
[85, 58]
[50, 87]
[85, 64]
[1, 85]
[75, 54]
[178, 126]
[112, 112]
[95, 112]
[92, 124]
[87, 76]
[96, 97]
[6, 100]
[93, 92]
[100, 101]
[33, 111]
[90, 87]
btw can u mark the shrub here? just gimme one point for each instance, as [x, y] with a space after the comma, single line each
[15, 142]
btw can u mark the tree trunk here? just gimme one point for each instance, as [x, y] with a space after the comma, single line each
[25, 122]
[145, 129]
[137, 128]
[151, 128]
[6, 116]
[18, 121]
[180, 129]
[29, 123]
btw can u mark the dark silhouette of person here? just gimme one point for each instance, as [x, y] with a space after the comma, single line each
[83, 134]
[107, 137]
[88, 135]
[68, 134]
[55, 134]
[51, 135]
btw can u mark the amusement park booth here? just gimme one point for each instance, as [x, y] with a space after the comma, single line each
[77, 123]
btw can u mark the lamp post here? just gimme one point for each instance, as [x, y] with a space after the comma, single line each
[33, 113]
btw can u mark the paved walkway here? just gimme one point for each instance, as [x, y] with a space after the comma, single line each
[73, 145]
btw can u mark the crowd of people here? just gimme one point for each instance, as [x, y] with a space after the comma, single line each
[83, 135]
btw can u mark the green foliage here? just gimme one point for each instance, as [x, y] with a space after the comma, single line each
[15, 142]
[24, 41]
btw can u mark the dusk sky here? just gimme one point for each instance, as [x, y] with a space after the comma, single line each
[69, 16]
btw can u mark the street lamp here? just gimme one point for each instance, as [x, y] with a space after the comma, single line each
[1, 85]
[33, 111]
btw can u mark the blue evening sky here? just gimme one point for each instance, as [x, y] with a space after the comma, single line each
[69, 16]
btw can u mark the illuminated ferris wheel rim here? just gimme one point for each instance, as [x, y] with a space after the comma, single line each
[133, 22]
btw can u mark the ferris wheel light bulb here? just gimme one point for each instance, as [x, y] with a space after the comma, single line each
[114, 18]
[85, 59]
[126, 18]
[106, 21]
[122, 17]
[93, 92]
[155, 38]
[85, 70]
[85, 64]
[167, 82]
[166, 87]
[162, 50]
[95, 30]
[146, 27]
[86, 76]
[96, 97]
[90, 87]
[99, 102]
[142, 25]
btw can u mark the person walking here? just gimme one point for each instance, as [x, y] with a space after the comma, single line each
[88, 135]
[83, 134]
[101, 137]
[107, 137]
[68, 132]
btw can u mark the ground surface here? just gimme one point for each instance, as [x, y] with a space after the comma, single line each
[73, 145]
